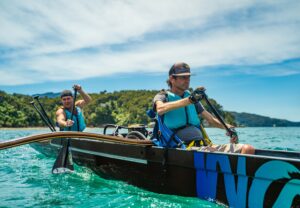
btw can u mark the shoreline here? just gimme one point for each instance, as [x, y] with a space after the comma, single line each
[28, 128]
[12, 128]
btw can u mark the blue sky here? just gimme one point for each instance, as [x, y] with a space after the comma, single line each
[246, 53]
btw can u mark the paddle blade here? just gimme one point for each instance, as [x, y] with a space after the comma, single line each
[63, 162]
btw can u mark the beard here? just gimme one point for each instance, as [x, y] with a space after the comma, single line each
[183, 86]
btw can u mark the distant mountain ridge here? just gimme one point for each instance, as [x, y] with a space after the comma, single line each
[253, 120]
[48, 94]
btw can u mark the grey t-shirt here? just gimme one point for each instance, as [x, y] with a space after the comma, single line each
[189, 133]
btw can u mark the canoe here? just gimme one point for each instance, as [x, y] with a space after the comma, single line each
[267, 179]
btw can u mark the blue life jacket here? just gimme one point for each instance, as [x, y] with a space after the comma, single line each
[162, 136]
[181, 117]
[79, 123]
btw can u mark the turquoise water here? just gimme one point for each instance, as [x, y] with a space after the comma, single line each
[26, 179]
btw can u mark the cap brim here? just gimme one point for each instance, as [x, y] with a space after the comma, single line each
[182, 74]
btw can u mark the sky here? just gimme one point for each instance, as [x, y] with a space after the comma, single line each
[245, 53]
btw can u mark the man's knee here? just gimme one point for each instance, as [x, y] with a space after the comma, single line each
[248, 149]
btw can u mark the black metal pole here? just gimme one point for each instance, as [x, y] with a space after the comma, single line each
[44, 112]
[42, 116]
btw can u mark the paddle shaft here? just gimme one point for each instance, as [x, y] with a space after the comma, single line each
[218, 115]
[44, 112]
[42, 117]
[73, 109]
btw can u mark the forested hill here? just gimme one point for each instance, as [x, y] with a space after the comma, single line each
[253, 120]
[121, 107]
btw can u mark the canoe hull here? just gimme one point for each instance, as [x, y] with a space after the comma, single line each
[233, 179]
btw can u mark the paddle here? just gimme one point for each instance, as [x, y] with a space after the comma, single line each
[63, 162]
[230, 131]
[42, 117]
[73, 107]
[44, 112]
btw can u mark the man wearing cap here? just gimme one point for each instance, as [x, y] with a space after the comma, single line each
[64, 113]
[181, 110]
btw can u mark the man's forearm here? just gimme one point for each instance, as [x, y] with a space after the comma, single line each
[86, 97]
[163, 108]
[62, 123]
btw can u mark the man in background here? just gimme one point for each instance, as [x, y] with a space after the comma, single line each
[64, 113]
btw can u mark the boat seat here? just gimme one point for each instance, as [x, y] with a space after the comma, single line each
[136, 135]
[136, 131]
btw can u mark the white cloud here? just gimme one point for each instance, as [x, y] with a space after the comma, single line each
[58, 40]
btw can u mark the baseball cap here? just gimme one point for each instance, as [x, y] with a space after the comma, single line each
[66, 93]
[180, 69]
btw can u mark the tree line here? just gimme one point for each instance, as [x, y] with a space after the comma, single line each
[120, 107]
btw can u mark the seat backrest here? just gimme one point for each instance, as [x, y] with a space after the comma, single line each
[163, 136]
